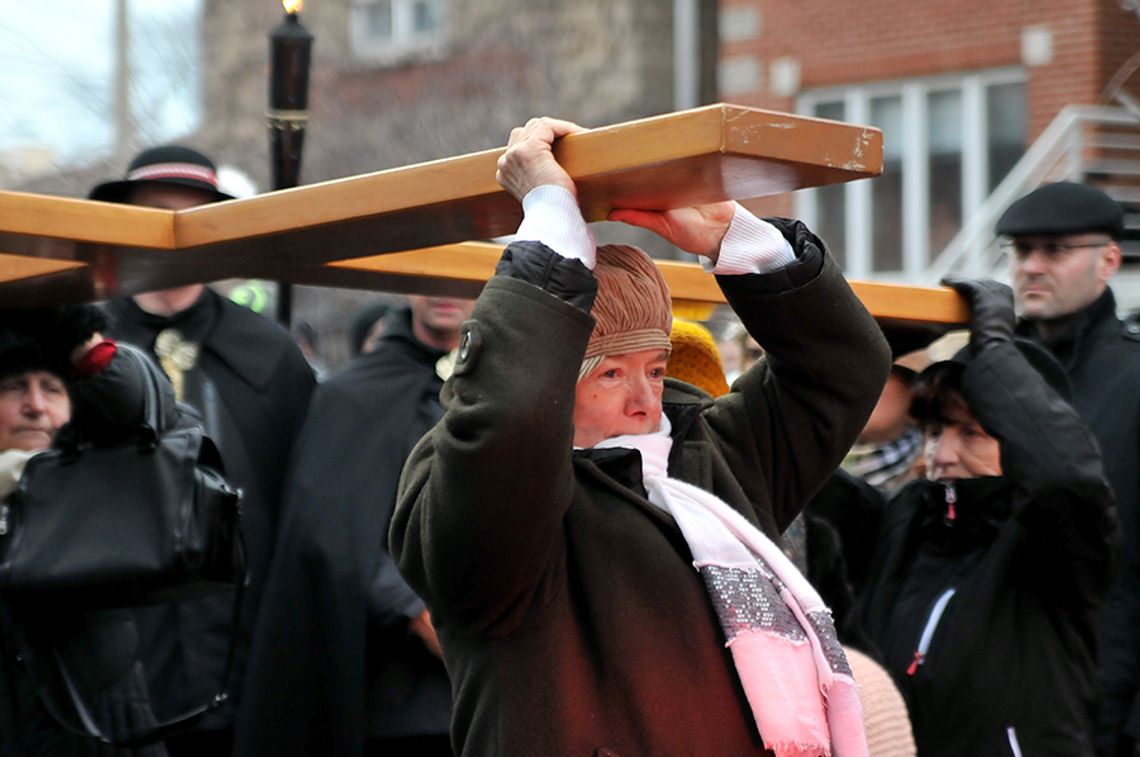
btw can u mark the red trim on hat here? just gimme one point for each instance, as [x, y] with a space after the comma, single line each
[158, 171]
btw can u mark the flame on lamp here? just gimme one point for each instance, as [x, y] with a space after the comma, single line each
[292, 6]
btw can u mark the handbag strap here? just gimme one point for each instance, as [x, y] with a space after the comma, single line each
[158, 732]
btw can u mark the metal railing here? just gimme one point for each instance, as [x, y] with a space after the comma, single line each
[1058, 154]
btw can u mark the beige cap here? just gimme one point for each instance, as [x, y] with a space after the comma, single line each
[633, 309]
[942, 348]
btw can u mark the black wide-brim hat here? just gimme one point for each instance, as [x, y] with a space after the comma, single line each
[164, 166]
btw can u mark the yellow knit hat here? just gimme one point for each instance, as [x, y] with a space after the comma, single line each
[695, 359]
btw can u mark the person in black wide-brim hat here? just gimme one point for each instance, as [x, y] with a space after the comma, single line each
[250, 383]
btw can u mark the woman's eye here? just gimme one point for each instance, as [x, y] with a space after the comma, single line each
[611, 373]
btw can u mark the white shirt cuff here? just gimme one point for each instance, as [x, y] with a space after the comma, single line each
[751, 245]
[551, 215]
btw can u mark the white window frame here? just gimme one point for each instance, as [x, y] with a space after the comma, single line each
[917, 254]
[405, 44]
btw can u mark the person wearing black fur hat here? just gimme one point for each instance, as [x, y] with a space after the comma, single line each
[251, 384]
[59, 376]
[984, 590]
[1063, 240]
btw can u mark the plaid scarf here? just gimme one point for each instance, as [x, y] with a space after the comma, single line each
[783, 642]
[883, 464]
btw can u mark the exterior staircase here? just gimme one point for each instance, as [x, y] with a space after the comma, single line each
[1097, 145]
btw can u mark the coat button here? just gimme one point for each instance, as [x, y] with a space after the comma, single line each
[468, 350]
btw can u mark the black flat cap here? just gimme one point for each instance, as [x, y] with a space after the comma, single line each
[1063, 208]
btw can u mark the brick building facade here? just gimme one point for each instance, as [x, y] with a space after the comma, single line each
[961, 89]
[384, 94]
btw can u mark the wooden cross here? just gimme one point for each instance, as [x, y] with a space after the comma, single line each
[355, 231]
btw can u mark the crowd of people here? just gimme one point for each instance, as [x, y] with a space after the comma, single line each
[556, 520]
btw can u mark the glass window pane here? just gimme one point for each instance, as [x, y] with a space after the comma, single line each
[831, 200]
[424, 16]
[886, 190]
[944, 139]
[1006, 120]
[378, 20]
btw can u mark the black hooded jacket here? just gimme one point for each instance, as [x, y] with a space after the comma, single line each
[986, 614]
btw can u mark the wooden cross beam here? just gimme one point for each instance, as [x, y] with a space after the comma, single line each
[57, 249]
[460, 270]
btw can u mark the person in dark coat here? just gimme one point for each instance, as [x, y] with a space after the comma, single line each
[58, 376]
[251, 385]
[984, 593]
[579, 609]
[1063, 240]
[344, 660]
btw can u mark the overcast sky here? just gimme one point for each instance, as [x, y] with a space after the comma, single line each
[56, 60]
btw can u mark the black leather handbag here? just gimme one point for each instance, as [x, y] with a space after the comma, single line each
[147, 521]
[140, 523]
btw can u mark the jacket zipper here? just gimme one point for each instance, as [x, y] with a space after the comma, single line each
[928, 630]
[3, 520]
[951, 501]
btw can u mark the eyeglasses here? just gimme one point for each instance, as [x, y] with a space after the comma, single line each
[1022, 249]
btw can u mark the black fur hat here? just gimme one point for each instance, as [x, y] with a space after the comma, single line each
[42, 339]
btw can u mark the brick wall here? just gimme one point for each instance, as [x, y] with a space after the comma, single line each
[837, 42]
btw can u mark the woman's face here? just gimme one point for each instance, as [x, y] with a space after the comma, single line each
[959, 447]
[33, 406]
[621, 396]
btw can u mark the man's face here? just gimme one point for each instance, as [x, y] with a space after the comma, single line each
[621, 396]
[33, 406]
[960, 448]
[436, 320]
[169, 197]
[1055, 276]
[890, 418]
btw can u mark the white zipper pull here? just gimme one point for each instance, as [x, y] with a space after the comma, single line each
[928, 630]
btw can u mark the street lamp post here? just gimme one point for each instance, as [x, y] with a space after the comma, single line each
[290, 47]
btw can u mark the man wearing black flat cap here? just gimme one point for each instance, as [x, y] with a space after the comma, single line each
[251, 384]
[1063, 240]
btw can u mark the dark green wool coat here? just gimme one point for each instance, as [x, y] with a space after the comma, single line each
[571, 617]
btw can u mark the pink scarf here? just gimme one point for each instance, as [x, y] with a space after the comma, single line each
[783, 641]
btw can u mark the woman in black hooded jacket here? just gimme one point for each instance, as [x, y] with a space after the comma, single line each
[989, 574]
